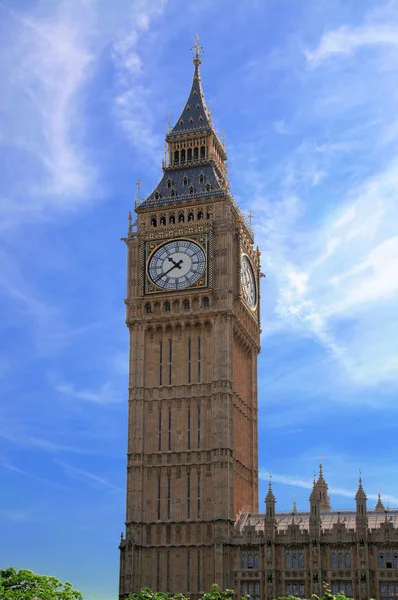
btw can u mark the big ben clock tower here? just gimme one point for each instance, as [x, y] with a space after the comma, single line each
[193, 315]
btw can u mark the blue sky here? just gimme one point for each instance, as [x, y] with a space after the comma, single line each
[307, 95]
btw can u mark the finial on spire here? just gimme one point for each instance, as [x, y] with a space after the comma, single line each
[197, 51]
[138, 184]
[168, 121]
[250, 217]
[130, 223]
[294, 503]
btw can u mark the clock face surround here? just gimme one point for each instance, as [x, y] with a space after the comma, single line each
[177, 264]
[248, 282]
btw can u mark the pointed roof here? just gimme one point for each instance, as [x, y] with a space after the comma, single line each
[379, 506]
[195, 114]
[321, 479]
[360, 495]
[270, 494]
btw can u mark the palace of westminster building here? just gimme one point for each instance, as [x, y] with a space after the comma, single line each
[193, 313]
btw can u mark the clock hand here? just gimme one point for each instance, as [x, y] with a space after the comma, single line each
[171, 260]
[176, 265]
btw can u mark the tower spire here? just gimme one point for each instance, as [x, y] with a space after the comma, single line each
[197, 51]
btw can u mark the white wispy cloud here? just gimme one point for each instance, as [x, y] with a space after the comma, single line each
[5, 464]
[297, 482]
[346, 40]
[327, 230]
[135, 97]
[48, 64]
[87, 476]
[104, 395]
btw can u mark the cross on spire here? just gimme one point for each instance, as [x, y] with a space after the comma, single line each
[250, 218]
[197, 50]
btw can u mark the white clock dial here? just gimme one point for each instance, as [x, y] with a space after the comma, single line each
[248, 282]
[177, 265]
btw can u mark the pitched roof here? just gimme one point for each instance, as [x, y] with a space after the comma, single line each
[195, 114]
[175, 185]
[328, 519]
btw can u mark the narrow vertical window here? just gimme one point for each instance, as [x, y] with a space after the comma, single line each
[170, 359]
[199, 573]
[189, 360]
[160, 431]
[168, 571]
[199, 361]
[188, 571]
[160, 362]
[158, 497]
[198, 426]
[189, 496]
[169, 432]
[198, 494]
[157, 570]
[189, 427]
[168, 495]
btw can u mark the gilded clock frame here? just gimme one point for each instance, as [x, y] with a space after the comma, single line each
[203, 240]
[252, 308]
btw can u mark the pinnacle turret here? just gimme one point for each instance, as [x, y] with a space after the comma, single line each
[360, 495]
[321, 489]
[379, 506]
[195, 114]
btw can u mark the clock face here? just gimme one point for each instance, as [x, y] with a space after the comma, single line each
[248, 282]
[177, 265]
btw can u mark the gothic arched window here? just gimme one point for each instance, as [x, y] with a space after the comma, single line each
[202, 151]
[250, 561]
[196, 153]
[166, 306]
[172, 219]
[349, 590]
[205, 302]
[154, 222]
[381, 561]
[256, 560]
[182, 155]
[340, 560]
[388, 561]
[186, 304]
[176, 156]
[163, 220]
[395, 561]
[301, 560]
[185, 181]
[200, 215]
[201, 179]
[334, 560]
[189, 154]
[191, 216]
[181, 218]
[288, 560]
[244, 561]
[148, 308]
[347, 561]
[294, 560]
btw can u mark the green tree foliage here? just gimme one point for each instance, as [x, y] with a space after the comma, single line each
[26, 585]
[214, 594]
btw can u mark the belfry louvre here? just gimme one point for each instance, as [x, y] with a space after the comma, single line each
[193, 313]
